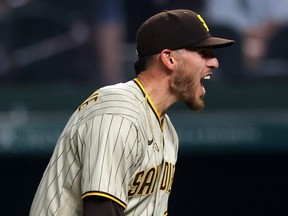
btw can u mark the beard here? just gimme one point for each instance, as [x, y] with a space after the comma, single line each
[186, 86]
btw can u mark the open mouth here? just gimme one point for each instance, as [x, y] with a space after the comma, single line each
[204, 78]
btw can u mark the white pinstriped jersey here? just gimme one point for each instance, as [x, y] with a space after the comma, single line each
[112, 146]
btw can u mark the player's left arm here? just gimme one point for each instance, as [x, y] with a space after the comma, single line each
[95, 205]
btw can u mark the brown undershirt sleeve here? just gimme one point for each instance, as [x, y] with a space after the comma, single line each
[94, 206]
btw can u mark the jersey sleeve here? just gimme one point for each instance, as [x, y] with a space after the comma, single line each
[109, 154]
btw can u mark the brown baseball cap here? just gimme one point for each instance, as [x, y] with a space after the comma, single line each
[175, 29]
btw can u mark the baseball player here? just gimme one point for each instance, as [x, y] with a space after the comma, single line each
[117, 153]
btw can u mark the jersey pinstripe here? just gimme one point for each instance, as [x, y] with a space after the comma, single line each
[114, 146]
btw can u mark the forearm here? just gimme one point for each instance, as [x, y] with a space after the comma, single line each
[94, 206]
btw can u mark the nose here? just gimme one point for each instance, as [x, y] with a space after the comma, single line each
[212, 63]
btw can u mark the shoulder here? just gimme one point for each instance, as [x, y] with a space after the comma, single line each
[121, 92]
[125, 99]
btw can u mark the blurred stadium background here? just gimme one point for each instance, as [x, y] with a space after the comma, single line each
[233, 156]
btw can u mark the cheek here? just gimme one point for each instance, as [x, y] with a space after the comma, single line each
[184, 83]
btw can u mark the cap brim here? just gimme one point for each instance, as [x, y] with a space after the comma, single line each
[214, 42]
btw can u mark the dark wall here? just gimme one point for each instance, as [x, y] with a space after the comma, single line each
[20, 176]
[245, 185]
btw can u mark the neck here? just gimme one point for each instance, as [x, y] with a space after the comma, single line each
[158, 90]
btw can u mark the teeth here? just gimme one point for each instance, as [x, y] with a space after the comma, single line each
[207, 77]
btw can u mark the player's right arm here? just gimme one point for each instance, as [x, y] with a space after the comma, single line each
[94, 205]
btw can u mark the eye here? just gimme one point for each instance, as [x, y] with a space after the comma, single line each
[206, 53]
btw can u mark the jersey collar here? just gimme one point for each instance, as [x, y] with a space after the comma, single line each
[151, 104]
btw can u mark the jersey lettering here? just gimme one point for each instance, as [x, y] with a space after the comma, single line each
[91, 98]
[136, 183]
[144, 182]
[148, 184]
[168, 176]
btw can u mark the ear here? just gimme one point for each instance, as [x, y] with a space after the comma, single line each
[168, 59]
